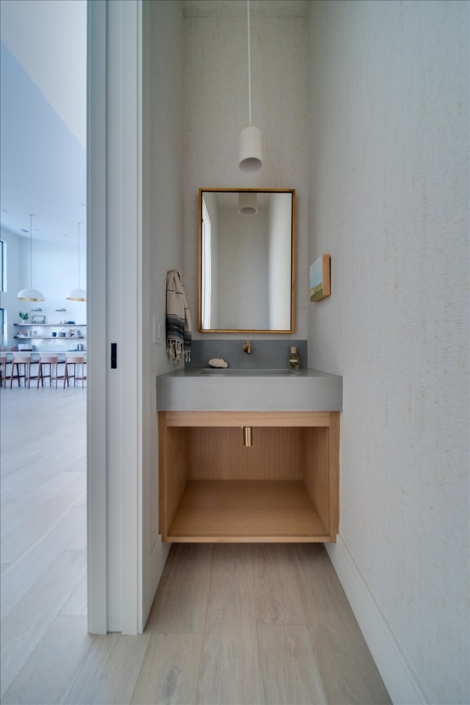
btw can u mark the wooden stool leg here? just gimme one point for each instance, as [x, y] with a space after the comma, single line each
[18, 374]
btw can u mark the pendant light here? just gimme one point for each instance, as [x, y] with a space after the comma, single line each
[250, 153]
[247, 203]
[77, 294]
[31, 294]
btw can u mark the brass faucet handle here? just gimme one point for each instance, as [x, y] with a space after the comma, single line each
[247, 347]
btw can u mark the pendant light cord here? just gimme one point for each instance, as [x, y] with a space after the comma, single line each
[31, 246]
[249, 60]
[79, 255]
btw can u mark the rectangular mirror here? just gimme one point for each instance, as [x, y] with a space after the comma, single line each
[246, 260]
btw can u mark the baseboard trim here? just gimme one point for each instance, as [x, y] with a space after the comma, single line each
[400, 681]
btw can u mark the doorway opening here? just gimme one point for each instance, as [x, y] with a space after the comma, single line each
[43, 359]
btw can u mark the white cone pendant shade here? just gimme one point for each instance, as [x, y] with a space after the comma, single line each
[250, 152]
[77, 294]
[250, 148]
[31, 294]
[247, 203]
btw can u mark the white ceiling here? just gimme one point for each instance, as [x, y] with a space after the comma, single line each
[48, 39]
[237, 8]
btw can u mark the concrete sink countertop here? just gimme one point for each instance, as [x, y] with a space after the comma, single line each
[236, 389]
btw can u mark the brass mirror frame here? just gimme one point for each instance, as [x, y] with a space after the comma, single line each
[293, 221]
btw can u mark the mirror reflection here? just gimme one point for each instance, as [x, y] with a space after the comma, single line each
[246, 243]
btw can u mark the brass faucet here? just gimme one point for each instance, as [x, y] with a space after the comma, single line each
[247, 347]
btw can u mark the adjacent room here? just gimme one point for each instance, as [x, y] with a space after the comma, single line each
[43, 319]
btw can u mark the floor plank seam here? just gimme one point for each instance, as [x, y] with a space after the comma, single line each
[59, 518]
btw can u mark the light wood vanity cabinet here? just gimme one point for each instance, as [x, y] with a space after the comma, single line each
[284, 488]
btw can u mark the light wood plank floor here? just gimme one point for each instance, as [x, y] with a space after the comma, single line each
[43, 552]
[254, 623]
[231, 623]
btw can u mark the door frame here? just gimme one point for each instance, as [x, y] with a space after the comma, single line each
[96, 315]
[114, 310]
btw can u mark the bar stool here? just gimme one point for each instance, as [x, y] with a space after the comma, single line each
[49, 360]
[74, 360]
[17, 362]
[3, 371]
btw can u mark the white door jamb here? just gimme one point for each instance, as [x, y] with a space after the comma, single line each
[96, 315]
[114, 292]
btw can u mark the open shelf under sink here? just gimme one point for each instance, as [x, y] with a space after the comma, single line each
[246, 511]
[282, 488]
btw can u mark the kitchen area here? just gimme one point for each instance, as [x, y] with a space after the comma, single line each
[35, 340]
[63, 342]
[24, 362]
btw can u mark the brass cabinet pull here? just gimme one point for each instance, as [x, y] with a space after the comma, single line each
[247, 436]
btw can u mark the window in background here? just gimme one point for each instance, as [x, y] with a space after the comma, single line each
[2, 269]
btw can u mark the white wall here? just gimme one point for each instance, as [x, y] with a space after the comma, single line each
[55, 272]
[280, 260]
[389, 202]
[162, 218]
[243, 270]
[216, 97]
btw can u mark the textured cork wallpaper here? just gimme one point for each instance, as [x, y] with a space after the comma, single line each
[388, 193]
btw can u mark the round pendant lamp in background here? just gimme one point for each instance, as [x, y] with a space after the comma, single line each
[250, 150]
[77, 294]
[31, 294]
[247, 203]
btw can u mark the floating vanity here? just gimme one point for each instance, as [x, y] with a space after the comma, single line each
[282, 488]
[248, 454]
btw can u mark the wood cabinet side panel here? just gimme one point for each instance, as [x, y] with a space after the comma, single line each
[173, 471]
[316, 470]
[162, 489]
[334, 469]
[177, 469]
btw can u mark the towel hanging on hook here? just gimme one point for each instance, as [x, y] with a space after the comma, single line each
[178, 320]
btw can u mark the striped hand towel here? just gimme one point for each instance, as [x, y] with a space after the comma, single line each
[178, 321]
